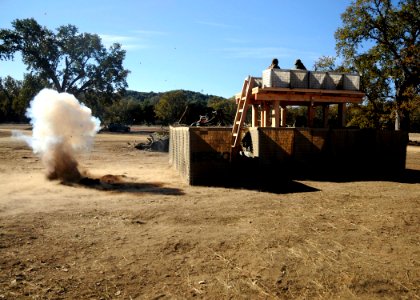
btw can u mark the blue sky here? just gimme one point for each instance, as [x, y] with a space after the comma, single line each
[207, 46]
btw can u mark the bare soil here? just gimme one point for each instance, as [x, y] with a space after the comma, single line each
[142, 233]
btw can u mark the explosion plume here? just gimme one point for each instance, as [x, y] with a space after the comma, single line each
[62, 127]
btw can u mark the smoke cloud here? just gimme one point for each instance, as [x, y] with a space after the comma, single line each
[62, 128]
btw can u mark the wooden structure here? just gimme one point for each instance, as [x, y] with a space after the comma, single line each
[269, 104]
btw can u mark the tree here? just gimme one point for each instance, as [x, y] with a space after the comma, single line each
[9, 90]
[71, 61]
[382, 42]
[325, 64]
[225, 106]
[15, 96]
[126, 111]
[31, 86]
[171, 106]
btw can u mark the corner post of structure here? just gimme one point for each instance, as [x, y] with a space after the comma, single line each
[325, 111]
[275, 116]
[254, 115]
[283, 116]
[342, 114]
[311, 114]
[264, 114]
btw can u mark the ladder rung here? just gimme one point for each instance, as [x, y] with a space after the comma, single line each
[241, 110]
[235, 134]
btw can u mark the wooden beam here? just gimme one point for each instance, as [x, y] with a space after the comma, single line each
[258, 90]
[301, 98]
[306, 95]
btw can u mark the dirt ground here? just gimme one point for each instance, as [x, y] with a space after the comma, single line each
[145, 234]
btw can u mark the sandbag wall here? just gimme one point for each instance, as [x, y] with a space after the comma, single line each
[341, 150]
[201, 155]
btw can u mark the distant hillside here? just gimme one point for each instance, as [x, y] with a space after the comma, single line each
[153, 97]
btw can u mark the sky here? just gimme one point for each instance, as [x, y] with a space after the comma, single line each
[207, 46]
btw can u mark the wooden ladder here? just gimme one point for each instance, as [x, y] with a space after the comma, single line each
[241, 110]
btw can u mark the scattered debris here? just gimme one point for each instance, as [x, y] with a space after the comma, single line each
[218, 118]
[157, 141]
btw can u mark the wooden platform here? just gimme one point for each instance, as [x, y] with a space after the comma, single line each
[301, 96]
[269, 105]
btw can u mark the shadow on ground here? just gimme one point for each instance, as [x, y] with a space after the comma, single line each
[120, 183]
[399, 176]
[252, 174]
[279, 186]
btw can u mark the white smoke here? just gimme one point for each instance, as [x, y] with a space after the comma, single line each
[62, 128]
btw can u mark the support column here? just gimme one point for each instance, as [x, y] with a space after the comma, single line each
[264, 114]
[325, 110]
[254, 115]
[342, 114]
[311, 115]
[275, 116]
[283, 116]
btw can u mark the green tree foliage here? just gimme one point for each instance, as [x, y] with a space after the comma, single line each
[9, 91]
[381, 41]
[15, 96]
[31, 85]
[139, 108]
[70, 61]
[171, 106]
[226, 106]
[122, 111]
[325, 64]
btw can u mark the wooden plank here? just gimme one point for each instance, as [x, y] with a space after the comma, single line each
[299, 99]
[258, 90]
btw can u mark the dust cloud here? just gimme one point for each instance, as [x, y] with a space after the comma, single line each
[62, 128]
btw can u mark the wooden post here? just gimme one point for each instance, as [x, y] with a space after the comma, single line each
[311, 115]
[342, 114]
[325, 110]
[264, 114]
[275, 116]
[283, 116]
[254, 115]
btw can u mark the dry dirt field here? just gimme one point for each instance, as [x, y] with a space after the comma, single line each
[144, 234]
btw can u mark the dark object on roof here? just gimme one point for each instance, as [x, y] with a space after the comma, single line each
[274, 64]
[299, 65]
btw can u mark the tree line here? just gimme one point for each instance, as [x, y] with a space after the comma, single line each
[378, 39]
